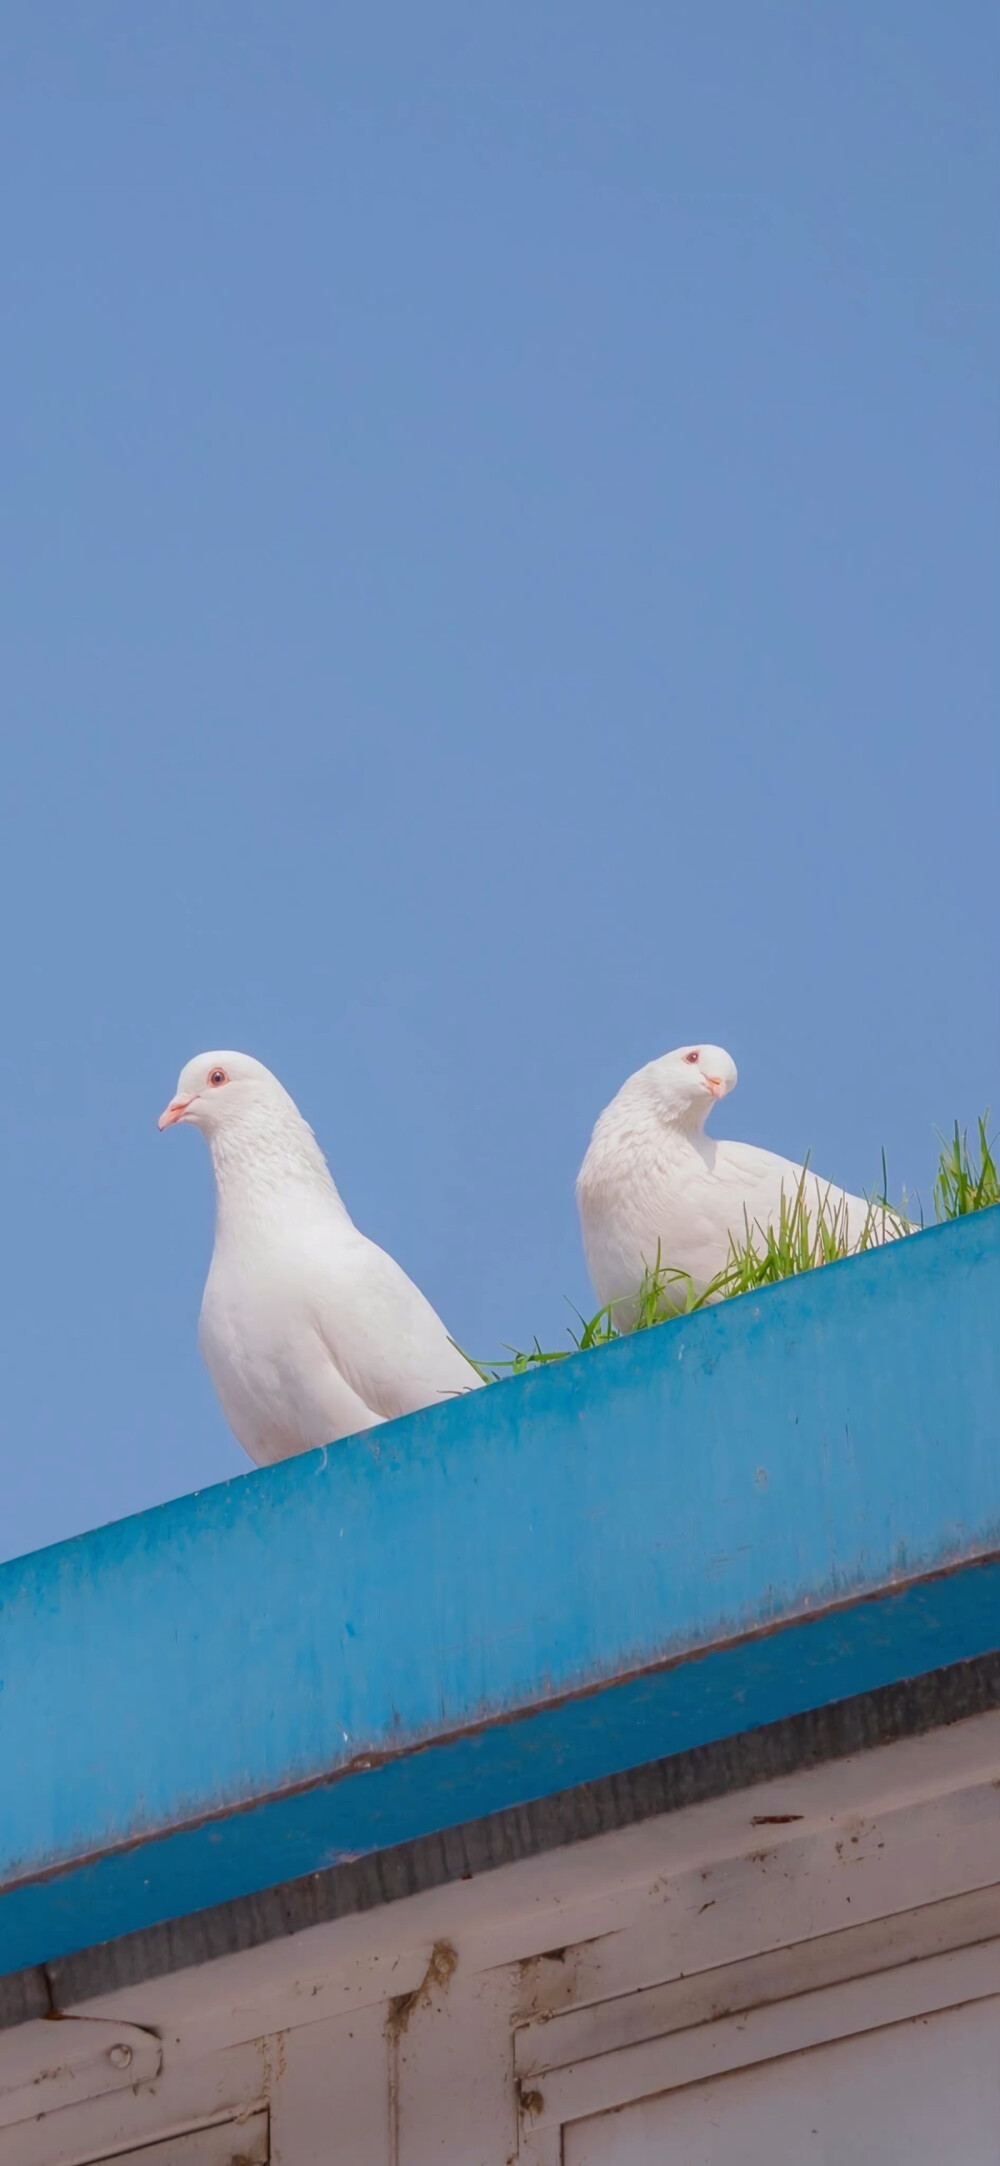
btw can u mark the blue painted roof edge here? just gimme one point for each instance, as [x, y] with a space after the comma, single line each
[548, 1536]
[788, 1670]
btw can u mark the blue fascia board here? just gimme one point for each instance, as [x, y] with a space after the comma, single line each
[796, 1667]
[186, 1696]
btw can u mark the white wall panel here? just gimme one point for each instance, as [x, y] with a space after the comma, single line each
[919, 2094]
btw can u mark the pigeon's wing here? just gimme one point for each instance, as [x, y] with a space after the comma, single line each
[764, 1178]
[383, 1334]
[761, 1175]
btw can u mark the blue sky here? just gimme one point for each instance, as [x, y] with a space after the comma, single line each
[499, 561]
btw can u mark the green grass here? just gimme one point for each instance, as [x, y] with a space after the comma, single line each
[964, 1182]
[806, 1236]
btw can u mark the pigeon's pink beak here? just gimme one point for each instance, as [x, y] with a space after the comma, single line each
[715, 1083]
[175, 1111]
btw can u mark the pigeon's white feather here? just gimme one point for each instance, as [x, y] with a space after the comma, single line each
[309, 1330]
[653, 1189]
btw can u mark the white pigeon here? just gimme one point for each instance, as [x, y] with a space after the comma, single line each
[310, 1333]
[653, 1190]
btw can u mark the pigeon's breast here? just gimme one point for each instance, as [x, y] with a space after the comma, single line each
[638, 1218]
[278, 1386]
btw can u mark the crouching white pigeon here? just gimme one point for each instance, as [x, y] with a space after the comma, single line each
[310, 1333]
[656, 1194]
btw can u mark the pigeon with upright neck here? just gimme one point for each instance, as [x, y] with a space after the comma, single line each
[655, 1191]
[309, 1331]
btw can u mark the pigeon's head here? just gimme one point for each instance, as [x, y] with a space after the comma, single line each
[216, 1090]
[687, 1082]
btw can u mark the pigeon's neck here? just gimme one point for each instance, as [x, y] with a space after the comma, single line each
[264, 1162]
[679, 1129]
[633, 1149]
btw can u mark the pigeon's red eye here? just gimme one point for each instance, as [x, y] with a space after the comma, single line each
[692, 1057]
[218, 1076]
